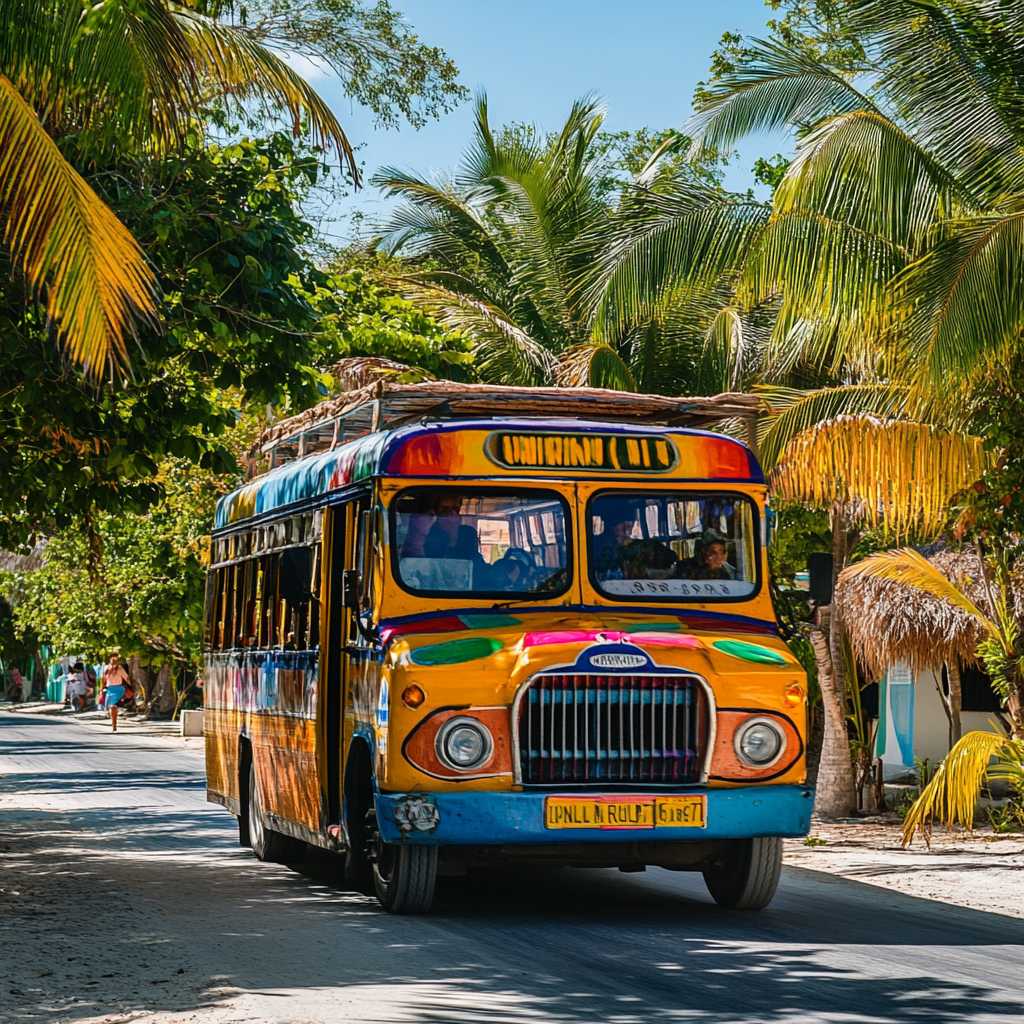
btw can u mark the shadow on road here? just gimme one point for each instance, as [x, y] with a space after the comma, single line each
[145, 905]
[196, 921]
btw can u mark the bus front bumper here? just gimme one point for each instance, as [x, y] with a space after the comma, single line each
[489, 819]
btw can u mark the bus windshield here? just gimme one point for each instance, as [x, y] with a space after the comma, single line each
[451, 540]
[670, 545]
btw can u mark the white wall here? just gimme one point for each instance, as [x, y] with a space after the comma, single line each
[931, 730]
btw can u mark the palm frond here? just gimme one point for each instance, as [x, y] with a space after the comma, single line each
[912, 569]
[898, 475]
[660, 241]
[966, 293]
[504, 351]
[241, 68]
[952, 794]
[593, 365]
[950, 65]
[774, 87]
[795, 410]
[75, 254]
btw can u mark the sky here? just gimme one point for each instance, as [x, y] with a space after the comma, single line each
[642, 58]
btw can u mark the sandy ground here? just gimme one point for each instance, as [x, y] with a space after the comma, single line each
[979, 870]
[125, 898]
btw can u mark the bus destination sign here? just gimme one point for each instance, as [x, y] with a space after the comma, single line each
[602, 453]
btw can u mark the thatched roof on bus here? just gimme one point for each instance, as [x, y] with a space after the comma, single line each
[390, 400]
[888, 621]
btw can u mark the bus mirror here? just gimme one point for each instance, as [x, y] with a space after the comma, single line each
[819, 569]
[351, 585]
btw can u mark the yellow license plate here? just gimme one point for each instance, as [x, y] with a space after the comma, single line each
[623, 812]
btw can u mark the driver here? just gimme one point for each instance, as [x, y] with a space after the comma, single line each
[450, 537]
[609, 548]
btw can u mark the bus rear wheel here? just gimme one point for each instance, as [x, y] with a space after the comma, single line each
[746, 874]
[267, 844]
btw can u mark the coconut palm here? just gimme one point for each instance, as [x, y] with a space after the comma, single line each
[891, 475]
[895, 235]
[76, 82]
[508, 252]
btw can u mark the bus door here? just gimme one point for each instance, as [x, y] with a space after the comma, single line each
[341, 653]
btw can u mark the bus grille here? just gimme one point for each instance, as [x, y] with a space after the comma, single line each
[614, 729]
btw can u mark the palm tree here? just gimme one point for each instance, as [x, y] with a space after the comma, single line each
[891, 475]
[953, 791]
[895, 236]
[890, 256]
[510, 253]
[79, 82]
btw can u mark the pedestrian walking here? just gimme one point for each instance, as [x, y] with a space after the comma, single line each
[77, 689]
[115, 679]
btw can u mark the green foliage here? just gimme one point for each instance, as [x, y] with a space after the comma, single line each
[800, 532]
[380, 61]
[770, 170]
[367, 317]
[128, 580]
[993, 510]
[618, 158]
[226, 238]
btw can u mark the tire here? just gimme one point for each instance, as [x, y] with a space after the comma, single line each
[747, 874]
[405, 877]
[361, 826]
[267, 844]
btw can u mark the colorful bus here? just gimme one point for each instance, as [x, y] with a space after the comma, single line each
[504, 625]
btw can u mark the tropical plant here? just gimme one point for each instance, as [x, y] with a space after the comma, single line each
[952, 794]
[123, 76]
[894, 238]
[511, 254]
[1001, 648]
[897, 477]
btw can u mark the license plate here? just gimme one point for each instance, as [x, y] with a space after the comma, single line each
[624, 812]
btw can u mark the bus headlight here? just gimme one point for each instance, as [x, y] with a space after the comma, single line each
[464, 744]
[759, 742]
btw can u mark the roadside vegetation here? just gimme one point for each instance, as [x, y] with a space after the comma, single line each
[163, 288]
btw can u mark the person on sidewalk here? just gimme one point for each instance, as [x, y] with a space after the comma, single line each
[77, 688]
[115, 679]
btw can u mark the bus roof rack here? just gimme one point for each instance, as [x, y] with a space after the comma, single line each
[387, 403]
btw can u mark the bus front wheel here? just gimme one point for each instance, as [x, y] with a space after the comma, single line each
[746, 873]
[405, 877]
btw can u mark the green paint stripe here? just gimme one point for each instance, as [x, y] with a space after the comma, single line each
[750, 652]
[453, 652]
[489, 621]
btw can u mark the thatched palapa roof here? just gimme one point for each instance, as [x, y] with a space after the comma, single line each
[888, 621]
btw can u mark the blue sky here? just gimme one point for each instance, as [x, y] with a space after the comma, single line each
[533, 57]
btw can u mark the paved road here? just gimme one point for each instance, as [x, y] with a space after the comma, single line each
[123, 896]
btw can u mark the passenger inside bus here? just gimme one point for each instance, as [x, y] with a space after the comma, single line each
[464, 541]
[709, 563]
[684, 544]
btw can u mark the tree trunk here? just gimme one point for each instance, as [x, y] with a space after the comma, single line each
[835, 792]
[161, 697]
[953, 701]
[1015, 706]
[139, 675]
[835, 795]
